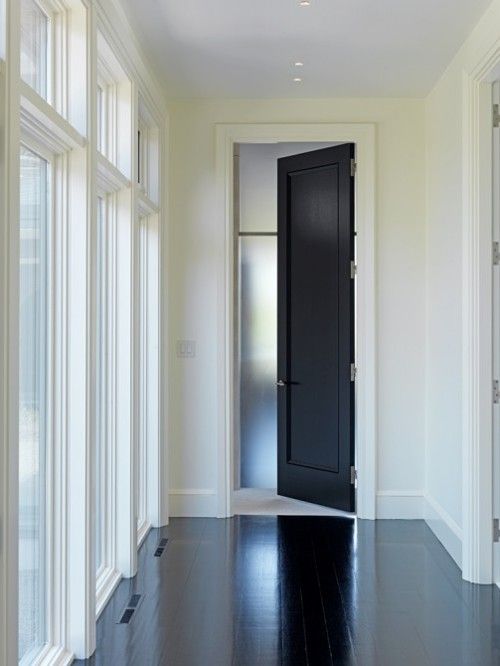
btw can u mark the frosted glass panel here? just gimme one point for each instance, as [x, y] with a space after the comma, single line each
[258, 362]
[33, 276]
[34, 46]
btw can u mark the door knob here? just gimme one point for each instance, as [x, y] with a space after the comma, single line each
[280, 382]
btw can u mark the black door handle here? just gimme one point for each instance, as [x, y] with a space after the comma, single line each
[282, 382]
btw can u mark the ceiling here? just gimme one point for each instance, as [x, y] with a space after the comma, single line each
[349, 48]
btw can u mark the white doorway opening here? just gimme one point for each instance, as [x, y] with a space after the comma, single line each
[363, 136]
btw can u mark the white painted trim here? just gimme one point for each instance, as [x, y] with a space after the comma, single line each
[363, 135]
[106, 583]
[110, 179]
[9, 337]
[193, 503]
[52, 656]
[477, 425]
[444, 527]
[45, 125]
[116, 28]
[68, 130]
[400, 504]
[142, 532]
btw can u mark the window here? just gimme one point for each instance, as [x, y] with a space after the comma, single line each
[70, 338]
[101, 119]
[35, 47]
[101, 435]
[147, 154]
[33, 339]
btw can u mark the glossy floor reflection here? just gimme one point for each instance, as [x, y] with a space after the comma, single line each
[292, 590]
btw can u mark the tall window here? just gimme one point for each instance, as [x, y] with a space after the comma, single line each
[101, 393]
[35, 47]
[33, 287]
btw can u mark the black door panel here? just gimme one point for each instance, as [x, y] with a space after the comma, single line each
[316, 327]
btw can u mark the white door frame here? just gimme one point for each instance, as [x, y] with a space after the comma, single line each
[363, 135]
[477, 304]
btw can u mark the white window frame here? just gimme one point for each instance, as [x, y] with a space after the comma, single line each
[66, 125]
[149, 320]
[49, 582]
[149, 364]
[116, 86]
[148, 152]
[114, 190]
[48, 134]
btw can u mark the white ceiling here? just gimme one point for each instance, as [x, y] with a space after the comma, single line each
[247, 48]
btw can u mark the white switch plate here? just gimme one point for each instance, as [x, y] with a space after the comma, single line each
[186, 348]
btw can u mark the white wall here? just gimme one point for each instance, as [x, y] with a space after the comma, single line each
[197, 245]
[444, 165]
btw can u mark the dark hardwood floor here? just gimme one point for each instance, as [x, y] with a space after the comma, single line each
[299, 590]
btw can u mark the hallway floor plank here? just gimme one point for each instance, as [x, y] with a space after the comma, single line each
[293, 590]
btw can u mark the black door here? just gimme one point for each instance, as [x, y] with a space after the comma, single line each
[316, 327]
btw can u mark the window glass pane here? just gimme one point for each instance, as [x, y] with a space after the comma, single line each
[34, 46]
[101, 386]
[143, 400]
[101, 125]
[34, 236]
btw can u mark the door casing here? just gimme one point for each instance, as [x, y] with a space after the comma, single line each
[363, 136]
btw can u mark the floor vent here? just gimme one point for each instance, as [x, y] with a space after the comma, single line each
[160, 548]
[134, 600]
[127, 614]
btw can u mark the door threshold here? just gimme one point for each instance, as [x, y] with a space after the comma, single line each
[266, 502]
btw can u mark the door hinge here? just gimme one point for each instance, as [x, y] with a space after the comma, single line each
[354, 475]
[354, 372]
[354, 168]
[496, 392]
[496, 115]
[354, 270]
[496, 253]
[496, 530]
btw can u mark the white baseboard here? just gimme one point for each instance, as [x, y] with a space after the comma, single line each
[400, 504]
[444, 527]
[52, 656]
[142, 533]
[193, 503]
[107, 583]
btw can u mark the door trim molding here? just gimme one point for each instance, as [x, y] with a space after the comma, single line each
[477, 319]
[363, 135]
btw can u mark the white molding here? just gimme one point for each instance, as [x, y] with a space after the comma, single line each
[193, 503]
[116, 28]
[142, 532]
[145, 206]
[444, 527]
[363, 135]
[400, 504]
[9, 337]
[109, 178]
[477, 425]
[45, 125]
[52, 656]
[106, 583]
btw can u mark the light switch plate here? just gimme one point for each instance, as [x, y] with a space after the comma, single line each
[186, 348]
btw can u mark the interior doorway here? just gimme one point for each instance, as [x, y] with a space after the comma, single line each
[255, 328]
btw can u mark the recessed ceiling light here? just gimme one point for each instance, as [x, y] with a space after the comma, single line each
[299, 64]
[304, 3]
[297, 79]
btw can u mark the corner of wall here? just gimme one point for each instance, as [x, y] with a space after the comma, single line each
[444, 527]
